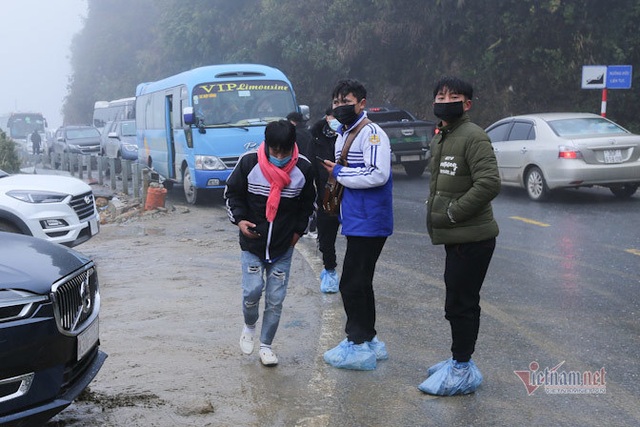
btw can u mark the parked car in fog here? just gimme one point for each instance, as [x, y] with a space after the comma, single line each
[77, 139]
[119, 140]
[542, 152]
[49, 333]
[408, 135]
[61, 209]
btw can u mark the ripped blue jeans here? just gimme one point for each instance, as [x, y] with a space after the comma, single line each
[254, 271]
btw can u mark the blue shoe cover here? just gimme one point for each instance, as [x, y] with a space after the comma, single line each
[453, 378]
[348, 355]
[379, 348]
[329, 282]
[432, 370]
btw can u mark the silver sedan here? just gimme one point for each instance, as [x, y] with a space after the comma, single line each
[542, 152]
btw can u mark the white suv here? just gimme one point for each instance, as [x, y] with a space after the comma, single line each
[60, 209]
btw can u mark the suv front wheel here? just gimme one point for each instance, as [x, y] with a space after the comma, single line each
[414, 170]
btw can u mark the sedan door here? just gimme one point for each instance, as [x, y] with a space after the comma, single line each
[498, 135]
[515, 153]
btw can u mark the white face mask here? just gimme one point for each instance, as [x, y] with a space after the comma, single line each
[334, 124]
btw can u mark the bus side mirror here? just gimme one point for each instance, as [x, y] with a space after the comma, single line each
[304, 110]
[187, 116]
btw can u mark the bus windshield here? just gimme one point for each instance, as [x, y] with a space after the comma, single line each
[21, 125]
[242, 103]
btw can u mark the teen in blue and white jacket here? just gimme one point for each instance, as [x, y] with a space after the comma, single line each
[367, 204]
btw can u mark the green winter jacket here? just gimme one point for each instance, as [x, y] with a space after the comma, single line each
[464, 180]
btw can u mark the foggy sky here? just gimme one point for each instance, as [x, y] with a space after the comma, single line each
[35, 40]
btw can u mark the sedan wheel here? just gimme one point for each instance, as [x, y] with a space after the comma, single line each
[190, 192]
[536, 185]
[8, 228]
[624, 191]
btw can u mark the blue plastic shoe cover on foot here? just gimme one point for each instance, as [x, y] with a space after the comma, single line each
[348, 355]
[453, 378]
[437, 367]
[329, 283]
[379, 348]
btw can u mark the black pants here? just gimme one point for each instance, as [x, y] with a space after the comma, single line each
[465, 269]
[356, 286]
[327, 226]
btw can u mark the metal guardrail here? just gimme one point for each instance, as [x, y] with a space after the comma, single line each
[126, 176]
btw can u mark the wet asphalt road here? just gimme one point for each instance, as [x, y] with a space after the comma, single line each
[562, 287]
[561, 292]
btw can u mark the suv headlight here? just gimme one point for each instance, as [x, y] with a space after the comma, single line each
[37, 196]
[209, 163]
[16, 304]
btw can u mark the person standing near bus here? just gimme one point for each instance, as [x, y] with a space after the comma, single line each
[36, 140]
[270, 196]
[323, 146]
[366, 214]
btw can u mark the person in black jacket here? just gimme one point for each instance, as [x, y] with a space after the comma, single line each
[323, 146]
[36, 140]
[464, 181]
[303, 137]
[270, 196]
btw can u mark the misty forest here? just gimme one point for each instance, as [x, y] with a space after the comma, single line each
[522, 56]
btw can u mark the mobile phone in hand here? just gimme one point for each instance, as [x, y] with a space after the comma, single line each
[253, 230]
[320, 158]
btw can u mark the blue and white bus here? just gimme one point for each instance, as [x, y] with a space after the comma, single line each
[193, 127]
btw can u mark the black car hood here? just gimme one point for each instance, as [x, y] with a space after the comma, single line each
[33, 264]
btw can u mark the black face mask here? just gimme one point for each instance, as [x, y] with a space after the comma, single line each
[346, 114]
[448, 111]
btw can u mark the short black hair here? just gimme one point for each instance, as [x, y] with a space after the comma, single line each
[295, 116]
[347, 86]
[455, 85]
[280, 134]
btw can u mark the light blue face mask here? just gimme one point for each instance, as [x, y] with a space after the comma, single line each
[334, 124]
[279, 162]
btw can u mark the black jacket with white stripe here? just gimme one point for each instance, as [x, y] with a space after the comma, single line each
[246, 196]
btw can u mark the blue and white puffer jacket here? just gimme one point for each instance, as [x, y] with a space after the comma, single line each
[367, 204]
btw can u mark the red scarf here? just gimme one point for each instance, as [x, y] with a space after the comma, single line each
[278, 178]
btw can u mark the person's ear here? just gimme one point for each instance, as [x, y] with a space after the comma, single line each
[466, 105]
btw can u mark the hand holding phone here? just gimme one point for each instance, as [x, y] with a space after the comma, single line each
[320, 158]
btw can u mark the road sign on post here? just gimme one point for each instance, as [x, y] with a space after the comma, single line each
[594, 76]
[606, 77]
[619, 76]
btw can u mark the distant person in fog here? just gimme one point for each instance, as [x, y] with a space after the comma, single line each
[36, 140]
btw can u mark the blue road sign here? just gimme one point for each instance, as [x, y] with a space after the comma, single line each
[619, 76]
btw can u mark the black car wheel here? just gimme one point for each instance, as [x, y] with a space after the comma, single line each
[414, 170]
[624, 191]
[9, 228]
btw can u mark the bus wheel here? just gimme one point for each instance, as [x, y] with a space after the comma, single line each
[190, 192]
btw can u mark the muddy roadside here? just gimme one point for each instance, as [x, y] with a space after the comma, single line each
[170, 322]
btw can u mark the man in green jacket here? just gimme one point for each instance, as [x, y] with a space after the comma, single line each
[464, 180]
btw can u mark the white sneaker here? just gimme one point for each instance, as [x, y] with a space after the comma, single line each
[268, 357]
[246, 341]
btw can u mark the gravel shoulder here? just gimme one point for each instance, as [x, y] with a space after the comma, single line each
[171, 320]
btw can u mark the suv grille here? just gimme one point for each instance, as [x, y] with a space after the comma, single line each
[83, 205]
[75, 299]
